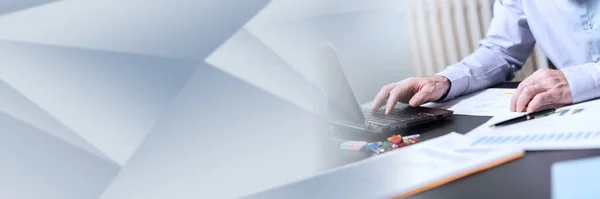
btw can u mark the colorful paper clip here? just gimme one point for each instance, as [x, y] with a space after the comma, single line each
[396, 139]
[411, 140]
[412, 136]
[371, 146]
[384, 145]
[392, 143]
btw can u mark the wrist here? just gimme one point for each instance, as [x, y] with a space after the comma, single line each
[444, 84]
[582, 83]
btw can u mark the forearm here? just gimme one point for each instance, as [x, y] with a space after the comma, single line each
[505, 48]
[479, 70]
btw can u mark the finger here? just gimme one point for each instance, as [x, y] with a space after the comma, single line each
[381, 97]
[515, 97]
[421, 97]
[538, 101]
[525, 97]
[395, 95]
[392, 100]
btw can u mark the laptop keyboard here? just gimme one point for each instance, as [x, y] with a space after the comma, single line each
[397, 115]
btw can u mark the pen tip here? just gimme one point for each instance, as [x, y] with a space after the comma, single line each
[492, 126]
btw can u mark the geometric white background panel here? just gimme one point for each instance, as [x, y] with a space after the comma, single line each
[84, 83]
[36, 165]
[288, 84]
[9, 6]
[111, 100]
[209, 145]
[18, 106]
[183, 29]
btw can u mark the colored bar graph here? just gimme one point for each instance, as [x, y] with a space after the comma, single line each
[587, 135]
[575, 111]
[563, 112]
[578, 135]
[551, 136]
[559, 136]
[534, 138]
[541, 138]
[523, 138]
[569, 135]
[480, 140]
[515, 138]
[494, 140]
[504, 140]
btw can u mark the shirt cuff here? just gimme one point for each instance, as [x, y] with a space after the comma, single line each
[583, 81]
[459, 82]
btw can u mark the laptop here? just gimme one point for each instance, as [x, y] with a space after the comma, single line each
[344, 111]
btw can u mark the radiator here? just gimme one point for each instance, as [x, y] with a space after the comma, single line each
[442, 32]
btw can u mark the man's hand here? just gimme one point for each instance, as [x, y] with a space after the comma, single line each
[414, 91]
[544, 87]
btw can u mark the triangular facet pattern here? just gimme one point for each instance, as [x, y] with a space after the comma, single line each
[180, 29]
[38, 165]
[268, 72]
[16, 105]
[10, 6]
[110, 99]
[84, 83]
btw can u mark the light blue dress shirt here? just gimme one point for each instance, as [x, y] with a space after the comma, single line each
[567, 31]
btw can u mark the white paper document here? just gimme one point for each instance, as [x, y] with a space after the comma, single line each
[534, 141]
[402, 172]
[441, 158]
[443, 154]
[489, 102]
[570, 127]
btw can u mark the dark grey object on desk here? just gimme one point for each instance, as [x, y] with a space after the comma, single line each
[528, 177]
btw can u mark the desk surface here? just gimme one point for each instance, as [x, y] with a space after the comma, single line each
[528, 177]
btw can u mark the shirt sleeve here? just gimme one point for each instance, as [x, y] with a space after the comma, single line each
[584, 81]
[505, 48]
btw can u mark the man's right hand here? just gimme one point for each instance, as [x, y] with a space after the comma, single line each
[414, 91]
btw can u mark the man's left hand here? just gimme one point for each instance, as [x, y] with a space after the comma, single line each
[544, 87]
